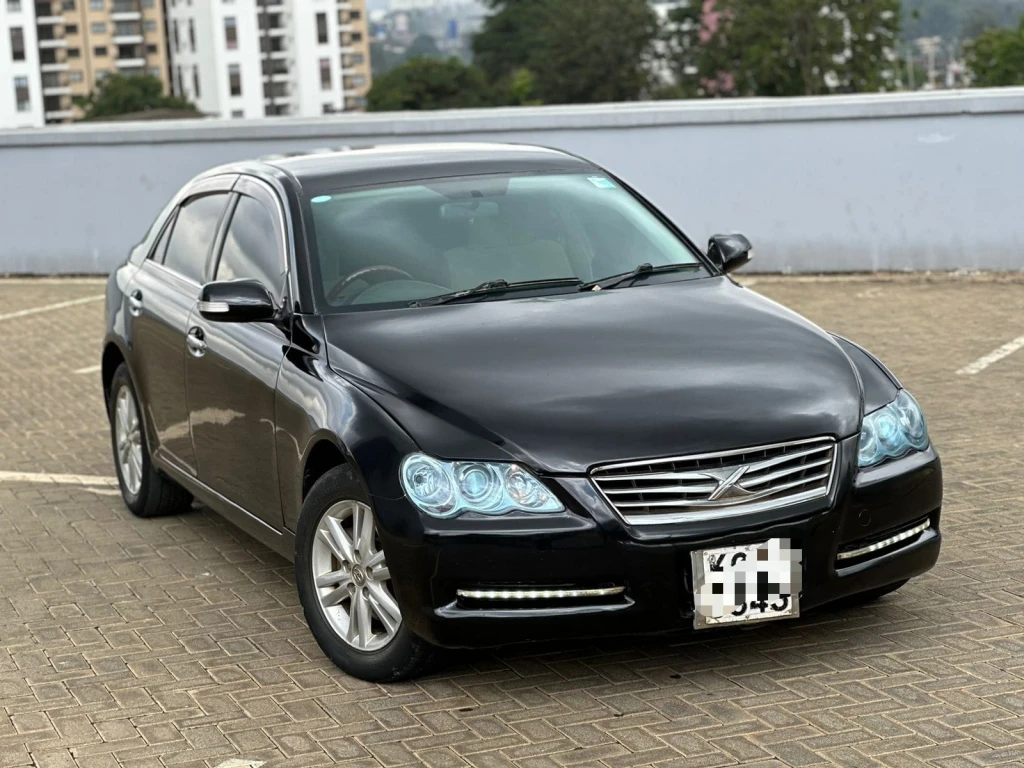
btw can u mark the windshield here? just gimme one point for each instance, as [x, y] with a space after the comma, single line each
[388, 247]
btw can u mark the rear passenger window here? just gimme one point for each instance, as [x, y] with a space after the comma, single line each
[251, 247]
[192, 236]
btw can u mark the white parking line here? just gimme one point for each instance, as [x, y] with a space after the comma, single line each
[49, 307]
[46, 478]
[994, 356]
[89, 369]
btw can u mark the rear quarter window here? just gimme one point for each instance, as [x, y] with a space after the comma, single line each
[191, 239]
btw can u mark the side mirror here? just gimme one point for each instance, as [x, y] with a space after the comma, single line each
[730, 252]
[236, 301]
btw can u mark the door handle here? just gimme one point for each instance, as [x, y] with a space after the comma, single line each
[135, 303]
[195, 341]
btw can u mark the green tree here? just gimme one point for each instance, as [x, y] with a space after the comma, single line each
[578, 52]
[996, 57]
[681, 49]
[509, 36]
[430, 84]
[123, 94]
[423, 46]
[521, 89]
[802, 47]
[596, 51]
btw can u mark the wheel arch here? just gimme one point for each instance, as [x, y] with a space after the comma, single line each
[113, 357]
[323, 453]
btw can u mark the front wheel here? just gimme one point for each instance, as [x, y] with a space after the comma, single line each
[345, 585]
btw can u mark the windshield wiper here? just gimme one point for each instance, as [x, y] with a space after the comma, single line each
[494, 286]
[640, 269]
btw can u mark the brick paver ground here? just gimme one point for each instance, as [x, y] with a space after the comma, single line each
[180, 642]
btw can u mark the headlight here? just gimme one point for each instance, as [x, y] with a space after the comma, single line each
[892, 431]
[449, 488]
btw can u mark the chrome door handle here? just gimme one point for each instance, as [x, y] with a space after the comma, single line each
[135, 303]
[196, 344]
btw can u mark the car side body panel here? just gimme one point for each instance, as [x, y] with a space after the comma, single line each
[315, 404]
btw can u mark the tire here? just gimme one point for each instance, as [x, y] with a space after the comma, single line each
[146, 492]
[352, 586]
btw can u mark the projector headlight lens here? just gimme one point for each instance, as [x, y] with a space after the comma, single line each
[447, 489]
[892, 431]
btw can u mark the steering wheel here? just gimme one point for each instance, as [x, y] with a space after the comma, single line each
[345, 282]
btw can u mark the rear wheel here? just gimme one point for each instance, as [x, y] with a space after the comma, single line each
[146, 492]
[345, 585]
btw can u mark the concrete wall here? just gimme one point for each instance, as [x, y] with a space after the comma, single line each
[880, 182]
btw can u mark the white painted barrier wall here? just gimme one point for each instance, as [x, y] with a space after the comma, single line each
[875, 182]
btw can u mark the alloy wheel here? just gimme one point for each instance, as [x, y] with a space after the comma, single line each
[128, 437]
[352, 579]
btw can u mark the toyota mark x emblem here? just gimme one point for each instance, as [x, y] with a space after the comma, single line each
[729, 486]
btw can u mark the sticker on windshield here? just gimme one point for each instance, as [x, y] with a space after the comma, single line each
[321, 199]
[601, 182]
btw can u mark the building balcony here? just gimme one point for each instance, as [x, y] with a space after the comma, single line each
[54, 66]
[135, 63]
[133, 39]
[48, 20]
[57, 90]
[57, 42]
[273, 45]
[59, 114]
[125, 15]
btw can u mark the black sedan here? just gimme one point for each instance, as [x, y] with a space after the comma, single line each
[484, 394]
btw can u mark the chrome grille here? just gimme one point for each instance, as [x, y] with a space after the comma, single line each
[712, 485]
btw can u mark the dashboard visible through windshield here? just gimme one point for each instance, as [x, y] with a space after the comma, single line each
[398, 245]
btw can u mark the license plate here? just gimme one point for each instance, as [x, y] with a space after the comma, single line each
[756, 582]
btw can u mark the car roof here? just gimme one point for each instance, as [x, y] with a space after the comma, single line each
[345, 168]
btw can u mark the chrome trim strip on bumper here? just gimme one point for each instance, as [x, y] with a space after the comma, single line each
[537, 594]
[895, 539]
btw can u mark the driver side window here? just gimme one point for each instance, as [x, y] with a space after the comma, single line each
[251, 248]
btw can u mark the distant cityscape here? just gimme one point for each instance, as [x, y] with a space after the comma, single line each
[251, 59]
[231, 59]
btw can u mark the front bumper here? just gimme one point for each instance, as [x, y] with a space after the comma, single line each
[590, 547]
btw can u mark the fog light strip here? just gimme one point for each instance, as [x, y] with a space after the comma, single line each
[536, 594]
[885, 542]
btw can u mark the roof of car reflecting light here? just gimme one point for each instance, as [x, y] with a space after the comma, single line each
[412, 162]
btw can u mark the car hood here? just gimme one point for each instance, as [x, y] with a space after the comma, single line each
[566, 382]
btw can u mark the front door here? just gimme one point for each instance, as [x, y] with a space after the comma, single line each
[159, 300]
[232, 372]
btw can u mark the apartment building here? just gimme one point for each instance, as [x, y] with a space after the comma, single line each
[257, 58]
[55, 50]
[21, 89]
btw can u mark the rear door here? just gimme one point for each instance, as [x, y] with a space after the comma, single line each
[160, 297]
[232, 371]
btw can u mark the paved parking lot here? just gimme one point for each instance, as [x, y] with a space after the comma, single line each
[180, 641]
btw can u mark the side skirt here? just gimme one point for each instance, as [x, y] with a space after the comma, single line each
[282, 542]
